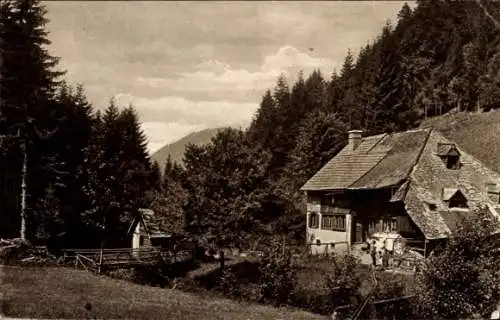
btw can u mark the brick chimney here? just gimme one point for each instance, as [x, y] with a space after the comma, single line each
[354, 138]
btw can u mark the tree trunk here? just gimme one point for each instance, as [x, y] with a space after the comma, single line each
[24, 174]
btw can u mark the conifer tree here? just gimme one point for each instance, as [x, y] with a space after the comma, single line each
[28, 82]
[72, 140]
[263, 125]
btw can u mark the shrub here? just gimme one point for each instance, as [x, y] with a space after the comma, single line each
[228, 284]
[390, 286]
[278, 278]
[344, 281]
[123, 274]
[327, 282]
[461, 280]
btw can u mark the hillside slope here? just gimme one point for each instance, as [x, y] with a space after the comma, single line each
[476, 133]
[176, 149]
[73, 294]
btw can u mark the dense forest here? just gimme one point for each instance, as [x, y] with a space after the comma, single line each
[86, 173]
[82, 172]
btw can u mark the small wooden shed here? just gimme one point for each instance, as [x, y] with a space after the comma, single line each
[146, 231]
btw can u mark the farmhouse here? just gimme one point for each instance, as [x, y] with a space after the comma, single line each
[416, 184]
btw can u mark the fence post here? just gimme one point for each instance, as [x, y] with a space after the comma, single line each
[100, 262]
[221, 257]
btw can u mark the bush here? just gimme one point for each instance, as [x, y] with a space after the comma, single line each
[123, 274]
[278, 278]
[327, 282]
[461, 280]
[228, 284]
[343, 283]
[390, 286]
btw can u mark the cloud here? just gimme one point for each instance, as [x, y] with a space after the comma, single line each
[188, 112]
[289, 57]
[215, 76]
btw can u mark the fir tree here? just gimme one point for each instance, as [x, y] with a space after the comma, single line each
[262, 127]
[28, 83]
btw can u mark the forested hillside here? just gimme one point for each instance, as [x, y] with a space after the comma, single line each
[86, 173]
[176, 149]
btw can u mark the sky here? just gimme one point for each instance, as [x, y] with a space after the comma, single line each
[187, 66]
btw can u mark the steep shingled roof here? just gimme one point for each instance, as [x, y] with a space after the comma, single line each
[431, 223]
[379, 161]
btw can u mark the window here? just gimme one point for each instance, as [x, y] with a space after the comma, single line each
[453, 162]
[141, 241]
[450, 155]
[389, 224]
[313, 220]
[326, 201]
[454, 198]
[333, 222]
[372, 226]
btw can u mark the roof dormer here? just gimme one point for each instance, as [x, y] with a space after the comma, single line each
[448, 152]
[454, 198]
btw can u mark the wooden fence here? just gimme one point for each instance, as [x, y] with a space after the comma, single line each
[96, 259]
[393, 308]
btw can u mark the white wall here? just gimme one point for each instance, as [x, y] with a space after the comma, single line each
[136, 237]
[328, 236]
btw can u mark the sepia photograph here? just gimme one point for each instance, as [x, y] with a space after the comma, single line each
[250, 160]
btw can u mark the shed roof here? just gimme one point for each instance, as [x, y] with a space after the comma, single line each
[379, 161]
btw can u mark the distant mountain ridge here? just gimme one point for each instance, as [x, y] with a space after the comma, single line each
[176, 149]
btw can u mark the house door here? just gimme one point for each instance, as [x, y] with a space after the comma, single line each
[358, 232]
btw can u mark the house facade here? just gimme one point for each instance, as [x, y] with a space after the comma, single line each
[416, 184]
